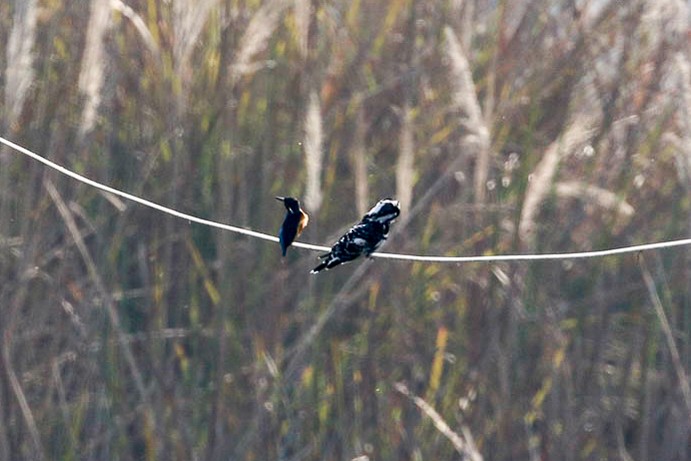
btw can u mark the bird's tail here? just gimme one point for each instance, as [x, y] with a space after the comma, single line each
[324, 264]
[319, 268]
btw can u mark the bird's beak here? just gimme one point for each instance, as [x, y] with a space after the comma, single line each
[282, 199]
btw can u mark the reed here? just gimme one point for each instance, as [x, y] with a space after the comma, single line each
[552, 126]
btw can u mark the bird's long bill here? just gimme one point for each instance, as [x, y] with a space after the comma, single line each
[282, 199]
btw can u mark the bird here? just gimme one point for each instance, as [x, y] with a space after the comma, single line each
[293, 224]
[364, 237]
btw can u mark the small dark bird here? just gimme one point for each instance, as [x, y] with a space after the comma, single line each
[293, 224]
[364, 237]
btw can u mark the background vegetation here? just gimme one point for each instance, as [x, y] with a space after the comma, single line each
[502, 126]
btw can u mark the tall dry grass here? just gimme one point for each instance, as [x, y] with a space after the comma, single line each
[19, 72]
[92, 73]
[549, 126]
[313, 147]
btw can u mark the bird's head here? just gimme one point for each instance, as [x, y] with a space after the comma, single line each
[290, 203]
[384, 211]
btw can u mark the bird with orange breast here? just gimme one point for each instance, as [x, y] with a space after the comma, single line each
[294, 223]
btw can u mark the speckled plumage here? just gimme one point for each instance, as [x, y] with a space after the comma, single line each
[363, 238]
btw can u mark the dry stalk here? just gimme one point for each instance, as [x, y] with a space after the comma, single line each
[667, 331]
[71, 225]
[138, 24]
[360, 162]
[466, 102]
[91, 75]
[543, 176]
[464, 444]
[256, 37]
[20, 43]
[683, 143]
[596, 195]
[189, 17]
[19, 394]
[301, 11]
[405, 173]
[313, 152]
[294, 356]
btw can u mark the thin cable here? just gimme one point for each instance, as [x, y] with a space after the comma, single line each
[537, 257]
[155, 206]
[309, 246]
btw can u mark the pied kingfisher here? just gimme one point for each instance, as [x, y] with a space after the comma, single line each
[365, 237]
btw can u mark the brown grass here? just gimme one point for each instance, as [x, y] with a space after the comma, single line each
[546, 126]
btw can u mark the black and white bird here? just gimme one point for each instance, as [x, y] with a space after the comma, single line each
[293, 224]
[363, 238]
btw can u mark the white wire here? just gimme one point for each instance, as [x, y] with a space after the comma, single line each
[309, 246]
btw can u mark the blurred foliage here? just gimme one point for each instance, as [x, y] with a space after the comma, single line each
[553, 125]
